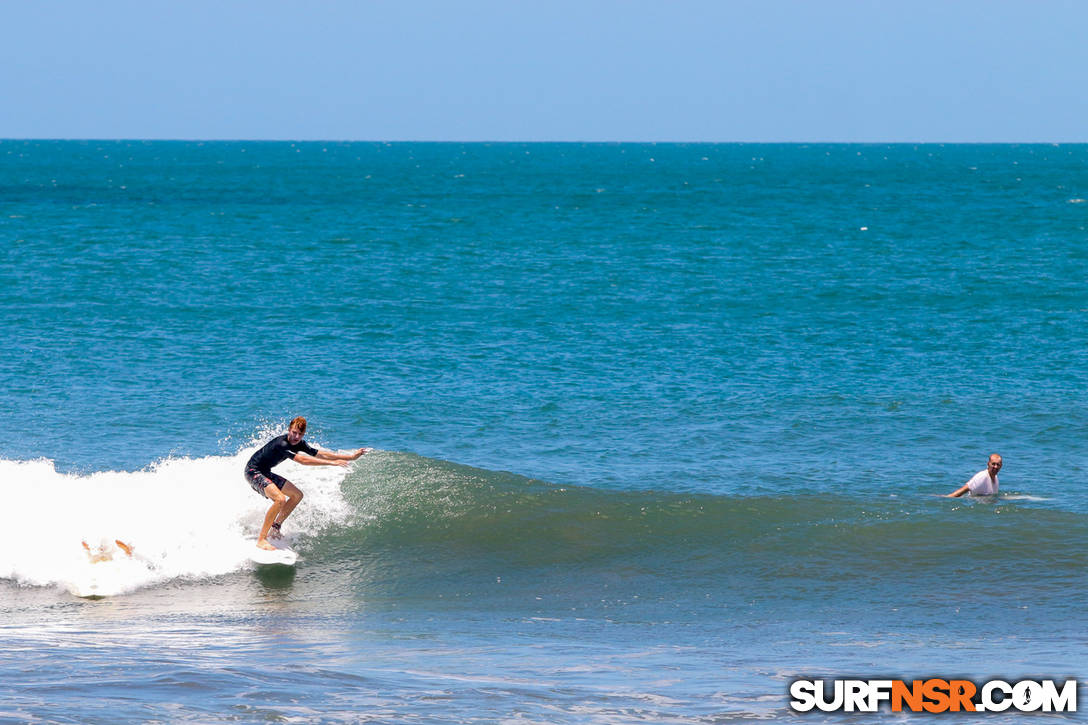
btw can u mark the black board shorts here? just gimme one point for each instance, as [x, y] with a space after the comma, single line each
[258, 480]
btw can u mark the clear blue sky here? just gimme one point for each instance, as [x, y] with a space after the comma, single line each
[584, 70]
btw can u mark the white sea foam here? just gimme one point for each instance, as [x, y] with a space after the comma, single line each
[185, 518]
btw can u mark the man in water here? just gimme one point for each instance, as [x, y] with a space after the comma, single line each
[284, 494]
[983, 483]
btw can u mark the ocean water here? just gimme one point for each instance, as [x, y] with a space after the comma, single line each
[658, 428]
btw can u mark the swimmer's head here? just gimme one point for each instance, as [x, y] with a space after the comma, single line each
[995, 464]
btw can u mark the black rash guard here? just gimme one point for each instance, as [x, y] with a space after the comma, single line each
[275, 452]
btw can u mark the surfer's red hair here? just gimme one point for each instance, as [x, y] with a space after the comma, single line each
[299, 424]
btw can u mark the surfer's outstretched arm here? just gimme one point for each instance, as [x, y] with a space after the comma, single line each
[959, 491]
[337, 456]
[307, 460]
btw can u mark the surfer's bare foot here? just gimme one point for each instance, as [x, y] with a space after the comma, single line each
[263, 544]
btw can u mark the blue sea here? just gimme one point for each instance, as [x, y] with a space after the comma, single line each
[658, 428]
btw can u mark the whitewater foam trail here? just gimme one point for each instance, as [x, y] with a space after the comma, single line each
[186, 518]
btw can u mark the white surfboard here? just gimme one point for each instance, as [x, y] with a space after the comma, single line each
[284, 556]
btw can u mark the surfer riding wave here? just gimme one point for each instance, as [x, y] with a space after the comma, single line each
[285, 496]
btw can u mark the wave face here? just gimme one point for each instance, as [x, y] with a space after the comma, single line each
[405, 527]
[418, 526]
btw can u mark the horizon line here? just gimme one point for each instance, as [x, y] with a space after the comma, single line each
[97, 139]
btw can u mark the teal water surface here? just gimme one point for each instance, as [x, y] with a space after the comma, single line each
[661, 426]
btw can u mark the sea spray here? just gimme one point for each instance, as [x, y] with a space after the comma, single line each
[184, 517]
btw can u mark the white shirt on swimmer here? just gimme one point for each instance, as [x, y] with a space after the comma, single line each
[981, 485]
